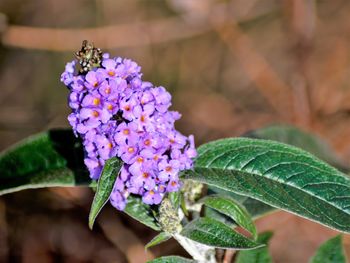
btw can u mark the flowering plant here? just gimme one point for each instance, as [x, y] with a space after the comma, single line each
[124, 134]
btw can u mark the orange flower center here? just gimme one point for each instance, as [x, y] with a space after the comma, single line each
[139, 159]
[108, 90]
[95, 84]
[126, 131]
[145, 175]
[111, 73]
[173, 183]
[96, 101]
[95, 114]
[147, 142]
[156, 158]
[110, 107]
[151, 192]
[110, 145]
[172, 140]
[168, 168]
[127, 108]
[131, 149]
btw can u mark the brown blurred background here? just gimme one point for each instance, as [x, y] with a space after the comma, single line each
[232, 66]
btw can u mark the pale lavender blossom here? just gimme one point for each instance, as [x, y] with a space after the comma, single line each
[117, 114]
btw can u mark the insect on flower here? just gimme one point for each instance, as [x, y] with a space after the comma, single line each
[89, 57]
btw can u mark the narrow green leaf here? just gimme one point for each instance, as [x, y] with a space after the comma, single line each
[299, 138]
[279, 175]
[330, 252]
[105, 186]
[52, 158]
[141, 212]
[171, 259]
[216, 234]
[175, 199]
[259, 255]
[183, 205]
[254, 207]
[158, 239]
[232, 209]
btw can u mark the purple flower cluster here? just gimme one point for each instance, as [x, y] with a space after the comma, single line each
[118, 114]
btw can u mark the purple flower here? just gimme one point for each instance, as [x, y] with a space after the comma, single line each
[117, 114]
[127, 106]
[173, 186]
[94, 167]
[67, 76]
[163, 99]
[128, 152]
[109, 70]
[126, 132]
[118, 200]
[94, 117]
[152, 197]
[104, 147]
[168, 169]
[93, 80]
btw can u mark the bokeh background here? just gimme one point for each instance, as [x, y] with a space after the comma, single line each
[232, 67]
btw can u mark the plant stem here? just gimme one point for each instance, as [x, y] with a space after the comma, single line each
[199, 252]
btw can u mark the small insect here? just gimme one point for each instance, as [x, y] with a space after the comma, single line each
[89, 57]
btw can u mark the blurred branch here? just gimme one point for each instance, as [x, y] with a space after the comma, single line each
[229, 254]
[123, 35]
[302, 19]
[123, 238]
[270, 85]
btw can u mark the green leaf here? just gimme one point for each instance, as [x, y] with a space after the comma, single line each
[158, 239]
[230, 208]
[105, 186]
[304, 140]
[53, 158]
[330, 252]
[141, 212]
[216, 234]
[279, 175]
[254, 207]
[175, 199]
[259, 255]
[171, 259]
